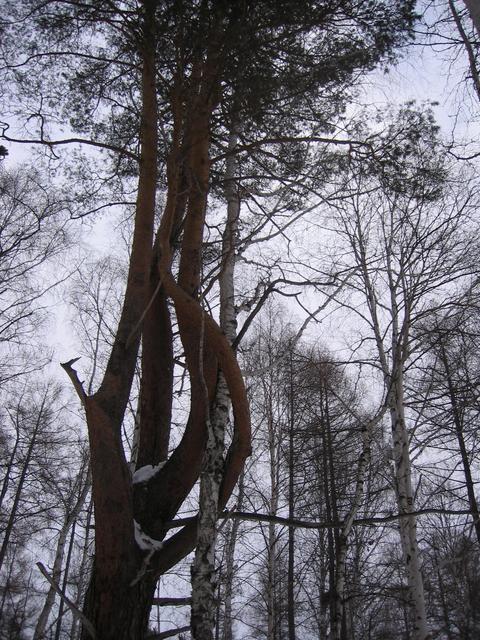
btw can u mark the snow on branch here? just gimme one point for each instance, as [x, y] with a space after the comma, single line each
[144, 474]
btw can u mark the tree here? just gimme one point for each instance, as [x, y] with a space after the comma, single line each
[183, 59]
[72, 498]
[410, 247]
[36, 426]
[32, 234]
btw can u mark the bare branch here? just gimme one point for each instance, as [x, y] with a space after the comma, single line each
[75, 611]
[77, 384]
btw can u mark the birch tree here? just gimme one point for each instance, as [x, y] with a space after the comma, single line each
[408, 239]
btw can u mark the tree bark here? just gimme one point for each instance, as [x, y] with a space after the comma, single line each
[117, 603]
[405, 499]
[204, 581]
[473, 7]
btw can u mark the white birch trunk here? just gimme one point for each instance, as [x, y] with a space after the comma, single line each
[405, 500]
[203, 568]
[393, 378]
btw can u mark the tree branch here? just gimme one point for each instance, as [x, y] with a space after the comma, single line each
[72, 374]
[168, 633]
[306, 524]
[75, 611]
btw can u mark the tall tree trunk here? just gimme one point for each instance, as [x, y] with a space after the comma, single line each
[204, 582]
[230, 565]
[332, 484]
[119, 597]
[405, 500]
[331, 598]
[393, 377]
[291, 498]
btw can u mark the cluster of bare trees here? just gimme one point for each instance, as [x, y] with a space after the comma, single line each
[206, 144]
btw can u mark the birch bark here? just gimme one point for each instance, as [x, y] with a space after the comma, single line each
[405, 500]
[230, 565]
[204, 582]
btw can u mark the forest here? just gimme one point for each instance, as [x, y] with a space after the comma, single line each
[239, 319]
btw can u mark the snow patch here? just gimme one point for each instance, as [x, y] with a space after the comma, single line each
[144, 541]
[144, 474]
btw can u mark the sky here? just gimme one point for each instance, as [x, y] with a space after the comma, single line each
[422, 74]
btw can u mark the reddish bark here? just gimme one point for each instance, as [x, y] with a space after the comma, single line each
[124, 577]
[115, 608]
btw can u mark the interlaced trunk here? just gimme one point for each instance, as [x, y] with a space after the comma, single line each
[118, 604]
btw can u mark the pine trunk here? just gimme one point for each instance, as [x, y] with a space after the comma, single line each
[117, 609]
